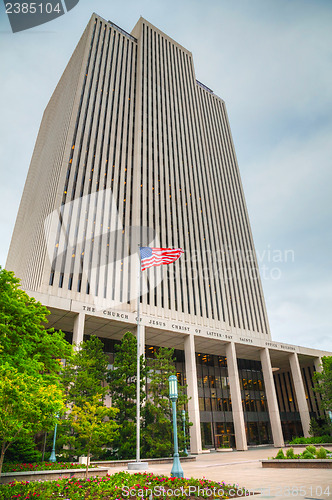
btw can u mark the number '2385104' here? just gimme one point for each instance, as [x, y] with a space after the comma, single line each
[25, 15]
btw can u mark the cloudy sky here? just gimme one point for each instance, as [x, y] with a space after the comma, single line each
[271, 61]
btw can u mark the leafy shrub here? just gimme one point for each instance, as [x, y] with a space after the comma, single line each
[312, 440]
[321, 453]
[280, 455]
[290, 453]
[311, 449]
[307, 455]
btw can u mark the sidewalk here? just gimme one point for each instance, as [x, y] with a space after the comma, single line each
[244, 469]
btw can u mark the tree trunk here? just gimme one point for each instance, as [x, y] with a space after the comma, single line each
[2, 456]
[44, 446]
[87, 465]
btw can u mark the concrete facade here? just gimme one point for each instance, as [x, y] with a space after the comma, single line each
[132, 149]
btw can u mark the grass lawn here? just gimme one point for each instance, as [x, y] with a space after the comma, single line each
[121, 486]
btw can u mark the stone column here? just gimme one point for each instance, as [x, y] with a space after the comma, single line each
[192, 389]
[237, 410]
[300, 394]
[271, 396]
[318, 364]
[319, 369]
[78, 330]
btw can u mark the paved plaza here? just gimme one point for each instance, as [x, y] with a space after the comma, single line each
[244, 468]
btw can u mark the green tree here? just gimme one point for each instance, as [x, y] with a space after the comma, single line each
[157, 434]
[320, 427]
[314, 429]
[25, 343]
[323, 381]
[30, 361]
[86, 372]
[28, 405]
[84, 376]
[24, 450]
[122, 381]
[94, 425]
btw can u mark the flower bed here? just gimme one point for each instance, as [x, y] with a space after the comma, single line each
[51, 475]
[121, 486]
[43, 466]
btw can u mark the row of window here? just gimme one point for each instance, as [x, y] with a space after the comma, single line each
[215, 404]
[286, 393]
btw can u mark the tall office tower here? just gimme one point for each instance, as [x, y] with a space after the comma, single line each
[131, 138]
[133, 149]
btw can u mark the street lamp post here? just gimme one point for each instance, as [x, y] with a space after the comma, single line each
[184, 431]
[53, 457]
[173, 396]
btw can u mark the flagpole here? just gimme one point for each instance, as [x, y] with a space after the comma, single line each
[138, 465]
[138, 390]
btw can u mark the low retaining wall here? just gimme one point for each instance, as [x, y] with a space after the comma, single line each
[296, 463]
[103, 468]
[121, 463]
[49, 475]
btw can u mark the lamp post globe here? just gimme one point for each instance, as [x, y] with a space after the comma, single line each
[173, 387]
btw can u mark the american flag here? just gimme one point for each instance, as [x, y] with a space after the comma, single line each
[158, 256]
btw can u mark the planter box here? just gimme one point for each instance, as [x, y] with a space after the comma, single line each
[224, 449]
[298, 464]
[317, 445]
[49, 475]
